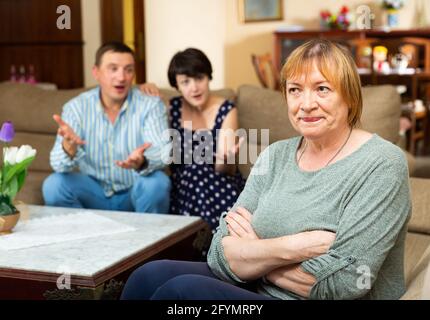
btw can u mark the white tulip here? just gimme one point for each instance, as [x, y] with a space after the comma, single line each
[10, 155]
[25, 152]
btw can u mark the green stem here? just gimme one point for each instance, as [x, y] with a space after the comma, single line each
[3, 168]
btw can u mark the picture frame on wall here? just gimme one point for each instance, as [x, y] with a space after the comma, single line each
[260, 10]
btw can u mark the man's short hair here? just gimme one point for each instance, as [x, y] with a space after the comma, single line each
[114, 47]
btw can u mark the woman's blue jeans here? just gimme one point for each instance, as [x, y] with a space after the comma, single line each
[182, 280]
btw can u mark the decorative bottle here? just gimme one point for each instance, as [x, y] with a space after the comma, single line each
[31, 77]
[13, 73]
[22, 78]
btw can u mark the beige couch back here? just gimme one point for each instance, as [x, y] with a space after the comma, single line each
[31, 108]
[266, 109]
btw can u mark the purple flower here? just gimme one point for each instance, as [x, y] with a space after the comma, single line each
[7, 132]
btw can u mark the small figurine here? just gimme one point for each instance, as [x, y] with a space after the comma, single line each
[380, 63]
[400, 62]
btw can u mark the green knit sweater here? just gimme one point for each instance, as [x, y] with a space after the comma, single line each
[364, 198]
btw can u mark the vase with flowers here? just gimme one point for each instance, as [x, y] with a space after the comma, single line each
[12, 176]
[339, 21]
[392, 8]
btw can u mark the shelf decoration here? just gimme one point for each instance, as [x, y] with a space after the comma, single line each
[392, 8]
[339, 21]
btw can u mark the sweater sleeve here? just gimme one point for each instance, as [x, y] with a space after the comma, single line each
[247, 199]
[373, 216]
[59, 159]
[156, 132]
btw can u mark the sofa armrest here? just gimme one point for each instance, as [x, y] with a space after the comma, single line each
[420, 193]
[411, 162]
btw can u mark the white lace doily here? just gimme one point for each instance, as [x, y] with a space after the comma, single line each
[60, 228]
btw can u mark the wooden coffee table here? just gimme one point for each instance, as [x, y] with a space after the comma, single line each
[97, 267]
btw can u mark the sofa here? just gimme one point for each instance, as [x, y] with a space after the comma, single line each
[31, 108]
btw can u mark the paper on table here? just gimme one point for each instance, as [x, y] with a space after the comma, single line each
[60, 228]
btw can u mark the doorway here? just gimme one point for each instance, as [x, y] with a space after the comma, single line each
[124, 20]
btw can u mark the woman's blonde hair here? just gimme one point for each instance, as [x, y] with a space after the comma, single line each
[336, 65]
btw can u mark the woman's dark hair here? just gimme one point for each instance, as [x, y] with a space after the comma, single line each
[190, 62]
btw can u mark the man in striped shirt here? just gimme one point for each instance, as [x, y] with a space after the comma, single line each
[114, 135]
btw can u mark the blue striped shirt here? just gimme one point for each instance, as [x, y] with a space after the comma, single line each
[141, 119]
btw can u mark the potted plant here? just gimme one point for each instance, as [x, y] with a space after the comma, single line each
[13, 172]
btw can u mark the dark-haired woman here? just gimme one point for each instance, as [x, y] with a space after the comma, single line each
[203, 183]
[205, 180]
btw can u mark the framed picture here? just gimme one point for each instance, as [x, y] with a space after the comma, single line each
[260, 10]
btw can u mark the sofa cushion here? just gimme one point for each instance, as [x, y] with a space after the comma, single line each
[420, 189]
[30, 108]
[415, 246]
[418, 279]
[425, 292]
[412, 163]
[381, 111]
[264, 109]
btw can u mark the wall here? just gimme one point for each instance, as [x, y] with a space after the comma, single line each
[91, 34]
[242, 40]
[173, 25]
[214, 27]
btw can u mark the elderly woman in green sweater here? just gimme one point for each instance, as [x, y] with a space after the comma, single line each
[322, 216]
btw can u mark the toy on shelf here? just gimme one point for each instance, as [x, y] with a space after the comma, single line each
[400, 62]
[380, 63]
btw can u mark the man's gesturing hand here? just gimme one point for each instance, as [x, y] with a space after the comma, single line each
[136, 159]
[71, 140]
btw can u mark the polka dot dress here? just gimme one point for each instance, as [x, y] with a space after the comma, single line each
[197, 189]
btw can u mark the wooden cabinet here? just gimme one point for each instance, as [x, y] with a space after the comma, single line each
[286, 42]
[29, 36]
